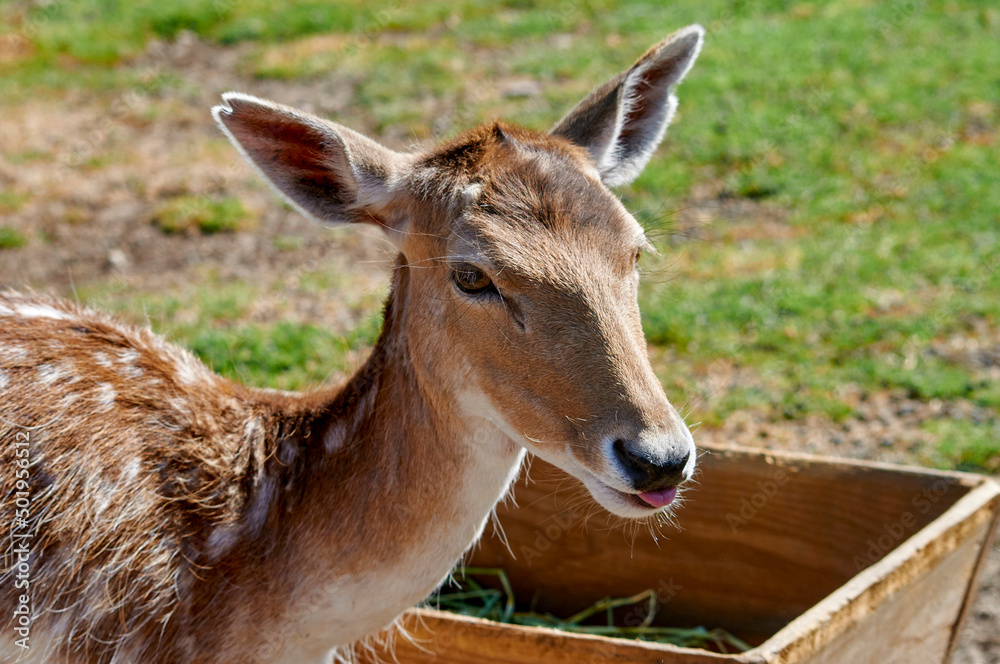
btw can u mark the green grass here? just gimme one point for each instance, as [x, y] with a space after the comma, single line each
[188, 214]
[966, 445]
[213, 318]
[288, 242]
[283, 355]
[12, 201]
[867, 132]
[11, 238]
[465, 595]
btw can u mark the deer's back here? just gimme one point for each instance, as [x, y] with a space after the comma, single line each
[119, 455]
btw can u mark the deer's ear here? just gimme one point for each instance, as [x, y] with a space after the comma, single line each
[621, 122]
[325, 170]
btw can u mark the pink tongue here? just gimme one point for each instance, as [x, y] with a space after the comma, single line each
[660, 498]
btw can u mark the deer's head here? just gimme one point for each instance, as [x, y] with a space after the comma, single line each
[520, 295]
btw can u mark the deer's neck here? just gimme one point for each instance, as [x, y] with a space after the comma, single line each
[397, 481]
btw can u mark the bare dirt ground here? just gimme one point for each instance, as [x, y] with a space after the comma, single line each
[94, 169]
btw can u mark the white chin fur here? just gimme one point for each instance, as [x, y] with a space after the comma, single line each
[613, 501]
[608, 497]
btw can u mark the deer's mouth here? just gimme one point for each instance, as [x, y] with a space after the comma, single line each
[633, 505]
[653, 499]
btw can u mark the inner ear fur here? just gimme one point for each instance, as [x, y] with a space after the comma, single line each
[622, 121]
[325, 170]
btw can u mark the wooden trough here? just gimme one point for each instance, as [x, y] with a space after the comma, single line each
[807, 559]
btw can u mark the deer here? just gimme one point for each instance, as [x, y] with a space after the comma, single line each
[157, 512]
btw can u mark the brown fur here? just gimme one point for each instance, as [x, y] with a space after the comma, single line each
[204, 457]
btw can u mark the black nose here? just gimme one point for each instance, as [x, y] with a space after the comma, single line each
[646, 473]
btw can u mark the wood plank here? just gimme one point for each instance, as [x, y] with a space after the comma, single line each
[449, 639]
[907, 604]
[970, 595]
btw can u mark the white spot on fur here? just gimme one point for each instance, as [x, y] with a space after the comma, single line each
[188, 370]
[4, 380]
[101, 491]
[104, 497]
[131, 471]
[128, 355]
[40, 311]
[252, 430]
[186, 373]
[106, 396]
[127, 358]
[180, 405]
[102, 359]
[130, 371]
[15, 353]
[271, 390]
[471, 193]
[48, 374]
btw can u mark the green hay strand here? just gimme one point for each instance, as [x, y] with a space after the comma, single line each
[473, 599]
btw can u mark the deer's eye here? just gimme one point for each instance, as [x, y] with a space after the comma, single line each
[471, 280]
